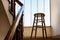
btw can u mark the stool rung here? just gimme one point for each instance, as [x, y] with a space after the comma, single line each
[39, 19]
[38, 26]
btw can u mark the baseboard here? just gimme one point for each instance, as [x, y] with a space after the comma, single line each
[56, 36]
[32, 26]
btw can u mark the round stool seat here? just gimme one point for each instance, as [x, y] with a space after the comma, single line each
[39, 14]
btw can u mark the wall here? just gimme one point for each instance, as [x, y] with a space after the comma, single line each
[4, 23]
[55, 17]
[5, 4]
[36, 6]
[5, 19]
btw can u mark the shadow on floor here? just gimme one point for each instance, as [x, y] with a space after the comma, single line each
[50, 38]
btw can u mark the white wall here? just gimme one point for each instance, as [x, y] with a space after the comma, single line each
[5, 4]
[36, 6]
[55, 17]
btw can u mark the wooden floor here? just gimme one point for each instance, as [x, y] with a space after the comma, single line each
[42, 39]
[27, 34]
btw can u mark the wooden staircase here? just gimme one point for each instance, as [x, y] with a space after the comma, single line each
[16, 30]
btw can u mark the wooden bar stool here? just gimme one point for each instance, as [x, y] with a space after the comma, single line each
[39, 18]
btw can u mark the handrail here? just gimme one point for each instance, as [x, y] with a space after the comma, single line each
[19, 2]
[10, 6]
[12, 30]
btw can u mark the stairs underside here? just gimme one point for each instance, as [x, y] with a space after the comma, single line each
[4, 23]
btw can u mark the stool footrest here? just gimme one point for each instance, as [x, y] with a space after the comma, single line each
[38, 26]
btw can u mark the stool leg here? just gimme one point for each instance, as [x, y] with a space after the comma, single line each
[42, 26]
[32, 31]
[42, 30]
[35, 31]
[36, 26]
[32, 28]
[45, 33]
[45, 29]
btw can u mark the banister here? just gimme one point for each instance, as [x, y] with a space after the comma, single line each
[11, 5]
[12, 30]
[11, 12]
[19, 2]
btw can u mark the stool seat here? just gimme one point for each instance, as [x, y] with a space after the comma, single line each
[39, 14]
